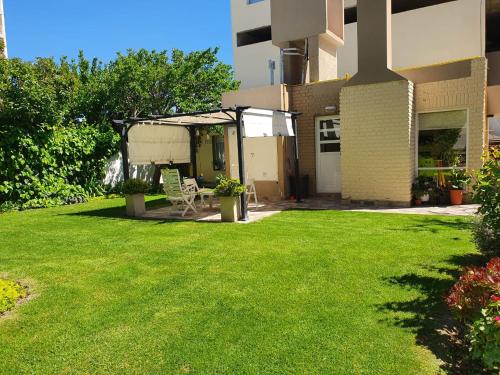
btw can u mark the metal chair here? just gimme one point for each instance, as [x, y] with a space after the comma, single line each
[178, 194]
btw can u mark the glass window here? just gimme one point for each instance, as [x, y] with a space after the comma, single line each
[253, 1]
[442, 141]
[219, 162]
[330, 147]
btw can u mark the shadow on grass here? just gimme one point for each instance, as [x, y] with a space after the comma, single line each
[118, 212]
[435, 225]
[429, 317]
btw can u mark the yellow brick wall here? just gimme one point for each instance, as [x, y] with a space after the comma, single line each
[464, 93]
[377, 158]
[311, 100]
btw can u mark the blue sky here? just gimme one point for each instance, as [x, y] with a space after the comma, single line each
[102, 27]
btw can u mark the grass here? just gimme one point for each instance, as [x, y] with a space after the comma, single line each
[301, 292]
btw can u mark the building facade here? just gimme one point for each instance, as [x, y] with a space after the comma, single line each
[3, 37]
[378, 86]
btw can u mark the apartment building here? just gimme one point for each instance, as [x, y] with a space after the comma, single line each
[378, 83]
[3, 38]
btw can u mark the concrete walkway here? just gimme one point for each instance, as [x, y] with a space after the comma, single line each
[267, 209]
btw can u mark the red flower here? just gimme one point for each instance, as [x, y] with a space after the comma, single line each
[495, 298]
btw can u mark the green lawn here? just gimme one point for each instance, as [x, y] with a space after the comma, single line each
[303, 292]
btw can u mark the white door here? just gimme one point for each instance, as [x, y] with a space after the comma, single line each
[328, 172]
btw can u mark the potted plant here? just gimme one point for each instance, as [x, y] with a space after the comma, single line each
[229, 190]
[457, 181]
[134, 190]
[421, 189]
[417, 196]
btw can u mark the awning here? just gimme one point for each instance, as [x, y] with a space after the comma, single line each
[266, 123]
[149, 143]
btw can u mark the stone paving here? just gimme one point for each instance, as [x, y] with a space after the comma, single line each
[267, 209]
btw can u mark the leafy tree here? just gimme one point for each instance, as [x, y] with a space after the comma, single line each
[55, 133]
[149, 82]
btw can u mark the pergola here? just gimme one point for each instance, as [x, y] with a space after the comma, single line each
[250, 122]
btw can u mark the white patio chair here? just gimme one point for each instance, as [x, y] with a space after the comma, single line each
[191, 184]
[177, 194]
[252, 192]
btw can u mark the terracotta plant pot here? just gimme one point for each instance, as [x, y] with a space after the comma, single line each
[136, 205]
[456, 197]
[418, 202]
[229, 209]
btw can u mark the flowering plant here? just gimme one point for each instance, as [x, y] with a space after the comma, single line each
[474, 290]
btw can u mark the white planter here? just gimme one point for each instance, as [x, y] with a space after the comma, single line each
[229, 209]
[425, 198]
[136, 206]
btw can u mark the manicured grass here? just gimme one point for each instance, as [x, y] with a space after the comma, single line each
[301, 292]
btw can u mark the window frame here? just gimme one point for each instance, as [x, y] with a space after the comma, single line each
[417, 138]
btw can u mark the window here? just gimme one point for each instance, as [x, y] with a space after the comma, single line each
[245, 38]
[442, 141]
[250, 2]
[329, 136]
[219, 163]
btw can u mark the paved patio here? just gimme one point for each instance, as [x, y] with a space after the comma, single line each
[267, 209]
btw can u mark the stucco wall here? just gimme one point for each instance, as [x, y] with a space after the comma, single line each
[464, 93]
[263, 156]
[377, 142]
[449, 31]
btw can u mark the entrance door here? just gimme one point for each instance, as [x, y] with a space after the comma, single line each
[328, 171]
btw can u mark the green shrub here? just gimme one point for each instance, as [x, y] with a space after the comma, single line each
[10, 293]
[484, 336]
[486, 238]
[229, 187]
[135, 186]
[487, 194]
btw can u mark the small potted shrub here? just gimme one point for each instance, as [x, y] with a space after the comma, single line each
[417, 196]
[421, 189]
[457, 181]
[134, 190]
[229, 190]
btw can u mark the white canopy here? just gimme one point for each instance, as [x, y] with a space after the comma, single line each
[267, 123]
[149, 143]
[164, 140]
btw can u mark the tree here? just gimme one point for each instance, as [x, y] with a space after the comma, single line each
[149, 82]
[55, 132]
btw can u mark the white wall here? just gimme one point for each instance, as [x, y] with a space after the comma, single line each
[425, 36]
[251, 62]
[261, 157]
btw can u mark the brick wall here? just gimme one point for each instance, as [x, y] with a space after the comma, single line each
[464, 93]
[311, 100]
[468, 92]
[377, 142]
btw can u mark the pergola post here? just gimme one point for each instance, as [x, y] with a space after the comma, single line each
[241, 162]
[124, 150]
[298, 187]
[193, 140]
